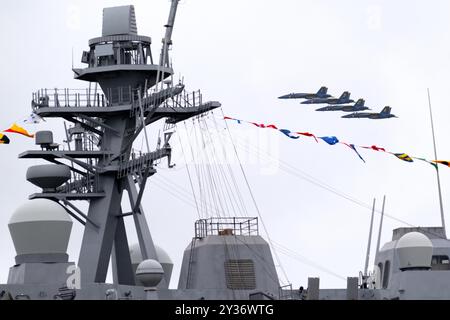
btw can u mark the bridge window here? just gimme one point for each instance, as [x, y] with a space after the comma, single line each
[114, 53]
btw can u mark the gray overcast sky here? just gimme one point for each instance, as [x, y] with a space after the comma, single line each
[245, 54]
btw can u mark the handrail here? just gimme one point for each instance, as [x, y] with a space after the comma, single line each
[86, 98]
[59, 98]
[235, 226]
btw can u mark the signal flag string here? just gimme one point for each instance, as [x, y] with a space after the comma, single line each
[333, 140]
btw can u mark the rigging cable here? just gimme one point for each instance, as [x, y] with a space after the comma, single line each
[290, 169]
[231, 250]
[228, 190]
[231, 173]
[240, 200]
[220, 185]
[169, 186]
[294, 255]
[190, 177]
[254, 200]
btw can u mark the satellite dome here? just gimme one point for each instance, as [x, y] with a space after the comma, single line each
[136, 255]
[415, 251]
[40, 230]
[161, 254]
[150, 273]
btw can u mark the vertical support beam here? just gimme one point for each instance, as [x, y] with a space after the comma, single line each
[144, 179]
[121, 260]
[97, 244]
[146, 244]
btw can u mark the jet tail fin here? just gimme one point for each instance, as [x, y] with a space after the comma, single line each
[345, 96]
[360, 103]
[322, 91]
[386, 110]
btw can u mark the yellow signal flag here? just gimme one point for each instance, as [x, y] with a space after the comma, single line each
[19, 130]
[404, 157]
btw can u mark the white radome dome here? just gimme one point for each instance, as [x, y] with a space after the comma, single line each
[40, 227]
[150, 273]
[136, 255]
[161, 254]
[414, 250]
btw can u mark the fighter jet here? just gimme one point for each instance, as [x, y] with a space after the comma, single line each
[384, 114]
[345, 98]
[358, 106]
[322, 93]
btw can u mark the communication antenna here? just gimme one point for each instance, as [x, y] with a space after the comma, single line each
[437, 167]
[381, 225]
[366, 267]
[167, 40]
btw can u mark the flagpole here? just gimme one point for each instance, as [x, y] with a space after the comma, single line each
[437, 167]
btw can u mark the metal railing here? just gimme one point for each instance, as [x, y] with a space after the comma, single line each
[66, 98]
[88, 183]
[172, 97]
[286, 292]
[139, 162]
[226, 227]
[58, 98]
[186, 100]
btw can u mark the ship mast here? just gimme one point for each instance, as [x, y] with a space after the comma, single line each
[106, 123]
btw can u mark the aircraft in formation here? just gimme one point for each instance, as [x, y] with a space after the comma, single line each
[384, 114]
[321, 94]
[344, 103]
[358, 106]
[344, 99]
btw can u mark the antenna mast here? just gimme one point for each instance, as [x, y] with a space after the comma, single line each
[366, 267]
[167, 41]
[381, 225]
[437, 168]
